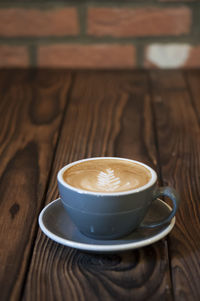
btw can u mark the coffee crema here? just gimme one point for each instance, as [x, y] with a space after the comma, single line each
[107, 175]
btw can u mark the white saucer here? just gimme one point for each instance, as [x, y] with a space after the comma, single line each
[57, 225]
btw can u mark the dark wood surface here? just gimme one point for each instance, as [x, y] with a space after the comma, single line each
[50, 118]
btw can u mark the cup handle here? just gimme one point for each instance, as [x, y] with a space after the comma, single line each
[173, 195]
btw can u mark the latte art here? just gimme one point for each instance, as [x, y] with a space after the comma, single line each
[107, 180]
[107, 175]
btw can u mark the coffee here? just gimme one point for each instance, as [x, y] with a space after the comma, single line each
[107, 175]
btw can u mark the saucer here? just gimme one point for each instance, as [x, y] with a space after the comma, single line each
[57, 225]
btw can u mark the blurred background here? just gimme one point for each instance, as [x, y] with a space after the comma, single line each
[100, 34]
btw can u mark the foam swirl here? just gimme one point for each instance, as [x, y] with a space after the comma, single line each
[107, 180]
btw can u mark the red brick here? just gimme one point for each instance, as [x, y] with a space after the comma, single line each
[35, 22]
[87, 56]
[193, 60]
[13, 56]
[133, 22]
[172, 56]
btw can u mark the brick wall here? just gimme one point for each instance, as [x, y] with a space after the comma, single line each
[100, 34]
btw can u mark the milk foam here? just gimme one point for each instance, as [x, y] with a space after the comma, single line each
[107, 175]
[107, 180]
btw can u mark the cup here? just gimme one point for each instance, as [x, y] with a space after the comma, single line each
[108, 197]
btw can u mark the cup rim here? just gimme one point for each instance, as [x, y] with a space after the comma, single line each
[151, 182]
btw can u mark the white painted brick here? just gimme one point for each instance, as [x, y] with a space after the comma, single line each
[168, 55]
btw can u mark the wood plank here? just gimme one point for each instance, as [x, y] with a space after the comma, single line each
[31, 110]
[193, 80]
[179, 148]
[109, 114]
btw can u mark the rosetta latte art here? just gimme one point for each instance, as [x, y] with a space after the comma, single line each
[107, 180]
[107, 175]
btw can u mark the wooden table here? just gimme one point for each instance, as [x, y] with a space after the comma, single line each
[50, 118]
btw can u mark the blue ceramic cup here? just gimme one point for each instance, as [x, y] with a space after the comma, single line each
[110, 215]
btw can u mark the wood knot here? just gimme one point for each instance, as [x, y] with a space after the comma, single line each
[14, 210]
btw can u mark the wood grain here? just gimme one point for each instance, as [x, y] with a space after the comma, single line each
[109, 114]
[31, 109]
[193, 81]
[179, 149]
